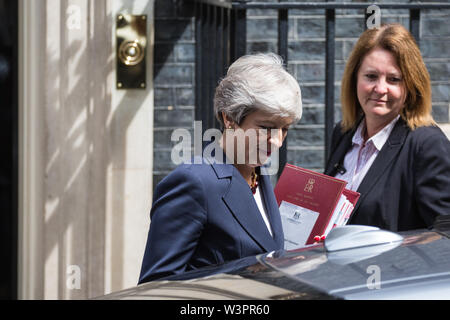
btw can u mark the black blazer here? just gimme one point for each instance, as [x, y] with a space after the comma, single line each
[408, 184]
[205, 214]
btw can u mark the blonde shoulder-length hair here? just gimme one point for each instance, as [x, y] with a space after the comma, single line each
[399, 41]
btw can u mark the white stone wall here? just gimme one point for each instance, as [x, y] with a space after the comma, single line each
[85, 231]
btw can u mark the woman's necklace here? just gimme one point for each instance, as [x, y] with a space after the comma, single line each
[253, 181]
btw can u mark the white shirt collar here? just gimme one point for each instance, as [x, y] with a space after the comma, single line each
[379, 139]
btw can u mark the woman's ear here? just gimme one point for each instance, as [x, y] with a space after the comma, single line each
[226, 121]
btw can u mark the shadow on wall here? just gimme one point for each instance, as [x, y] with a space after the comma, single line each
[174, 78]
[86, 140]
[8, 141]
[173, 23]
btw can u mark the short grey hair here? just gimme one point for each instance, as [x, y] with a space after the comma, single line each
[257, 82]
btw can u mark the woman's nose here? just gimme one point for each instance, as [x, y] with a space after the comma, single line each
[276, 137]
[381, 87]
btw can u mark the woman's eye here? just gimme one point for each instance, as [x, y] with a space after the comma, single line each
[395, 79]
[371, 76]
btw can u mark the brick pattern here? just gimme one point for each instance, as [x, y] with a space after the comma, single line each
[175, 58]
[174, 78]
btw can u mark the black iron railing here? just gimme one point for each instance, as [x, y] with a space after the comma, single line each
[221, 37]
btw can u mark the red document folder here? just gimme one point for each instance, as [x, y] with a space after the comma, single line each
[314, 191]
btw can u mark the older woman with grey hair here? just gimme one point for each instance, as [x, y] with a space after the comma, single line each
[218, 211]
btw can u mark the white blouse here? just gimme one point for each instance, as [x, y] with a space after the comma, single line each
[361, 156]
[262, 209]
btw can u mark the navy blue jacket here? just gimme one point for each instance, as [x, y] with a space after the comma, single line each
[408, 184]
[204, 214]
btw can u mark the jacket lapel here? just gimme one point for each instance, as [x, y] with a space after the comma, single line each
[246, 212]
[387, 154]
[337, 155]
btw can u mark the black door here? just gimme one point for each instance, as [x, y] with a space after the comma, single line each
[8, 147]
